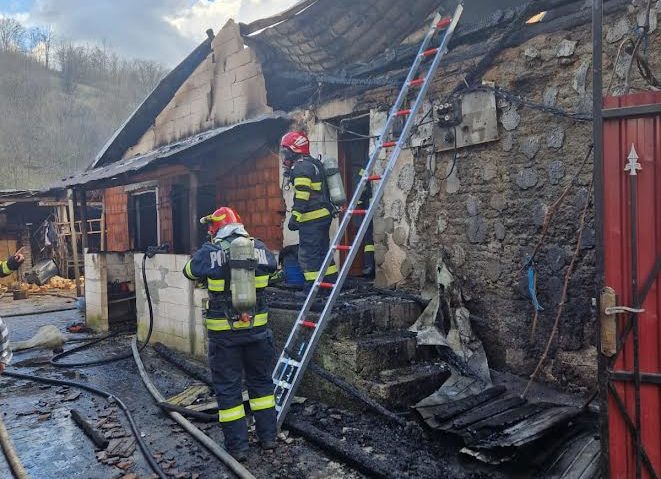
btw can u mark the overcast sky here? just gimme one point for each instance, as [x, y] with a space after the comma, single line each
[161, 30]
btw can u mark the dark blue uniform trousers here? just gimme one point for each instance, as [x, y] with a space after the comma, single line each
[313, 244]
[232, 353]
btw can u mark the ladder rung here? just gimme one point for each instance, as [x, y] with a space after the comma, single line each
[290, 362]
[444, 23]
[430, 52]
[308, 324]
[403, 113]
[389, 144]
[326, 285]
[417, 82]
[283, 384]
[357, 212]
[343, 247]
[374, 178]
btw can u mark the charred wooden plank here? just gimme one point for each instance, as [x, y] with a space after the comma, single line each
[97, 438]
[487, 411]
[453, 409]
[578, 460]
[530, 429]
[499, 422]
[352, 455]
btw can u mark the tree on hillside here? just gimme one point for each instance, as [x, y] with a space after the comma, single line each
[61, 105]
[11, 34]
[40, 43]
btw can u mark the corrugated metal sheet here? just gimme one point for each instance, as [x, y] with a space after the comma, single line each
[619, 135]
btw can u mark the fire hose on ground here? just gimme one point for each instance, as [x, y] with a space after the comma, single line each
[10, 453]
[202, 438]
[110, 397]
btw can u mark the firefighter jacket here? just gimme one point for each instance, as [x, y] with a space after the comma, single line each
[311, 201]
[211, 263]
[8, 267]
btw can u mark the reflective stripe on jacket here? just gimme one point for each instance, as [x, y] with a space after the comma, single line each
[310, 202]
[211, 264]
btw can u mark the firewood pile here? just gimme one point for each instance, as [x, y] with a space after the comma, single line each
[55, 284]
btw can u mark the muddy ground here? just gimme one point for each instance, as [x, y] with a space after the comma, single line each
[51, 445]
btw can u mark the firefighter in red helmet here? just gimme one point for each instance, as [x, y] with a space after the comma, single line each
[236, 269]
[311, 214]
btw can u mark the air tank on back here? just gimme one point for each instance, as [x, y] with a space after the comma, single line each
[242, 275]
[334, 180]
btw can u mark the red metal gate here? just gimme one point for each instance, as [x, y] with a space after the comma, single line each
[631, 218]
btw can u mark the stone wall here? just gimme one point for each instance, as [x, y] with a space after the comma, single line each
[483, 213]
[178, 305]
[227, 87]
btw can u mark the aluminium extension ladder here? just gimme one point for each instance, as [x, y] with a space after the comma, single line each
[306, 332]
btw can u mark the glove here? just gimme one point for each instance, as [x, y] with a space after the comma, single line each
[293, 224]
[15, 261]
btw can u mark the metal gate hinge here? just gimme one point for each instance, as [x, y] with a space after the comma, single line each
[622, 309]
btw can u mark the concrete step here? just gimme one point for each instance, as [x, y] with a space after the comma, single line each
[403, 387]
[395, 389]
[366, 357]
[354, 319]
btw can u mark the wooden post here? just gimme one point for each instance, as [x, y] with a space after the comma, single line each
[194, 218]
[71, 196]
[103, 224]
[83, 218]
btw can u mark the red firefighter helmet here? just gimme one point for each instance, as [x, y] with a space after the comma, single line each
[223, 216]
[296, 141]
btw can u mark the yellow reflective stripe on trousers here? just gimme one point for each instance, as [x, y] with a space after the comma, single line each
[261, 281]
[302, 195]
[231, 414]
[265, 402]
[187, 270]
[5, 268]
[312, 275]
[216, 285]
[311, 215]
[302, 181]
[315, 186]
[223, 325]
[369, 248]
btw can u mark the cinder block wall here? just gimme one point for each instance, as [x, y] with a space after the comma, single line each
[226, 88]
[96, 292]
[178, 305]
[100, 269]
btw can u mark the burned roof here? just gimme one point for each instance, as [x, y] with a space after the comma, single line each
[195, 147]
[329, 34]
[312, 37]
